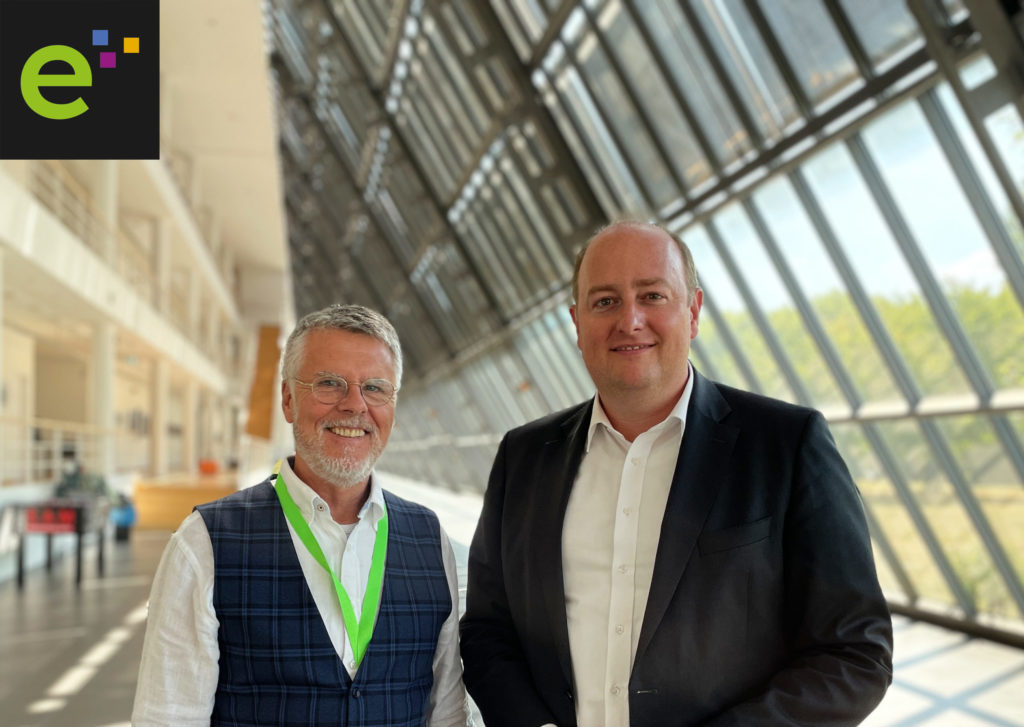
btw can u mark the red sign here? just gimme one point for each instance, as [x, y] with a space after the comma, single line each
[51, 519]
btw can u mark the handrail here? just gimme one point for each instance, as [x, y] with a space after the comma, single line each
[32, 450]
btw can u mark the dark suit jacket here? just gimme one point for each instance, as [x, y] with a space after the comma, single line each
[764, 609]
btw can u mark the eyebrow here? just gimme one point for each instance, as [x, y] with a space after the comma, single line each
[644, 283]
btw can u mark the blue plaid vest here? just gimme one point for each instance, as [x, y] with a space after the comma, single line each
[277, 664]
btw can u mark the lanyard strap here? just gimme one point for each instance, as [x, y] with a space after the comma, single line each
[359, 631]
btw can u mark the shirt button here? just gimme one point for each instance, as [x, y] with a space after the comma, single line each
[615, 691]
[635, 461]
[627, 511]
[355, 693]
[321, 507]
[619, 629]
[623, 568]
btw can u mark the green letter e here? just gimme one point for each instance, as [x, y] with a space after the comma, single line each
[32, 79]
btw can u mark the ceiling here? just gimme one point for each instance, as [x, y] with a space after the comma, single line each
[218, 114]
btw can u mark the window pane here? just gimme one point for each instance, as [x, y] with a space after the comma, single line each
[947, 516]
[642, 74]
[814, 47]
[885, 28]
[949, 236]
[719, 288]
[694, 77]
[996, 485]
[817, 276]
[631, 132]
[886, 505]
[1008, 134]
[749, 65]
[868, 244]
[600, 143]
[748, 252]
[563, 337]
[1011, 142]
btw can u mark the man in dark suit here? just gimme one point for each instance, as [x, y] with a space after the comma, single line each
[674, 551]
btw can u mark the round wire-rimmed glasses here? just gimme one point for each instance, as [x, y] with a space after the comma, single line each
[330, 389]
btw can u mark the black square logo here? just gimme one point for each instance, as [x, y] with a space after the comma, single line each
[80, 79]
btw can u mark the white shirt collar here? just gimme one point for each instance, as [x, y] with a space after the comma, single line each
[598, 416]
[306, 499]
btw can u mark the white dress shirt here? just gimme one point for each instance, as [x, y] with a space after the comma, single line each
[609, 542]
[179, 672]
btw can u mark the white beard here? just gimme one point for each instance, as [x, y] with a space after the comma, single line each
[342, 472]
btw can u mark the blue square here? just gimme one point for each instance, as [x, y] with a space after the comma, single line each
[99, 37]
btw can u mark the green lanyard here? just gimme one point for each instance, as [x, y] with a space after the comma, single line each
[359, 632]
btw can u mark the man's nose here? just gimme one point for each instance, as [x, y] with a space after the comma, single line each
[353, 400]
[631, 317]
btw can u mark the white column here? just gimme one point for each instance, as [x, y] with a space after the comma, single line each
[161, 383]
[190, 427]
[104, 367]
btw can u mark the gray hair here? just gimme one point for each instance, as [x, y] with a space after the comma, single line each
[341, 317]
[689, 268]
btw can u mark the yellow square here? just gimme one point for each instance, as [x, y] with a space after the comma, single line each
[131, 45]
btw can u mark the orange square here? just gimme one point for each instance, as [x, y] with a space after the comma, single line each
[131, 45]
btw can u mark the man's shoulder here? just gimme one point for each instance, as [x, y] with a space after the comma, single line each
[748, 403]
[551, 423]
[245, 497]
[397, 502]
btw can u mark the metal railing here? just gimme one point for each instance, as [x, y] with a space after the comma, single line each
[33, 451]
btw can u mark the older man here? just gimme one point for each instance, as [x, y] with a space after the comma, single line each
[314, 597]
[674, 551]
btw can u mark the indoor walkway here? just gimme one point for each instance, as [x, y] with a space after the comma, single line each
[69, 658]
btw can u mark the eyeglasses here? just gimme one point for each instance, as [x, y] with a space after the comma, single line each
[330, 389]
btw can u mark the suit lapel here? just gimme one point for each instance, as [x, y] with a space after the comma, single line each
[558, 461]
[702, 463]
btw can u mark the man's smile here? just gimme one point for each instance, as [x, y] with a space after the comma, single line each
[347, 432]
[632, 347]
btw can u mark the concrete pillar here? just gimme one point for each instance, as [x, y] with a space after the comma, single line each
[161, 384]
[104, 369]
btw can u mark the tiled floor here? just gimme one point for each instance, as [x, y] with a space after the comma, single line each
[945, 679]
[69, 658]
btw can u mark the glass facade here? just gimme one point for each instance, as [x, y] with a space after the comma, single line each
[848, 174]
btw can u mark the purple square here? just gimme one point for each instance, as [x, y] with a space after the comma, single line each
[108, 59]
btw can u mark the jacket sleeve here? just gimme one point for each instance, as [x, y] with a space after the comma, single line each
[496, 671]
[839, 625]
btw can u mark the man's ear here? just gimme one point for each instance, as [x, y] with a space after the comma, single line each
[695, 306]
[287, 402]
